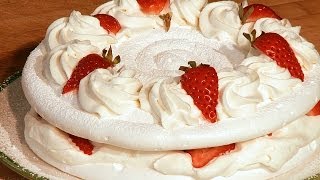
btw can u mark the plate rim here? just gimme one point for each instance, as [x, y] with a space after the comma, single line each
[4, 159]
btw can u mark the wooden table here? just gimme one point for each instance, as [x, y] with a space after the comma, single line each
[24, 22]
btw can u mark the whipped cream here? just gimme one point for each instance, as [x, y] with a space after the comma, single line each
[267, 154]
[220, 17]
[239, 95]
[77, 26]
[305, 51]
[256, 82]
[109, 93]
[132, 20]
[275, 81]
[169, 103]
[186, 12]
[61, 61]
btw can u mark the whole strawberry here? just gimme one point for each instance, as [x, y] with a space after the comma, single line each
[88, 64]
[254, 12]
[201, 83]
[278, 49]
[109, 23]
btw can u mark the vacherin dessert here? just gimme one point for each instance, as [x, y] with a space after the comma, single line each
[179, 89]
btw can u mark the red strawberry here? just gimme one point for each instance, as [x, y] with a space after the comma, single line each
[109, 23]
[201, 83]
[315, 111]
[88, 64]
[278, 49]
[254, 12]
[201, 157]
[84, 144]
[152, 6]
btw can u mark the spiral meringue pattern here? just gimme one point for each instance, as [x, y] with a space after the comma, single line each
[109, 93]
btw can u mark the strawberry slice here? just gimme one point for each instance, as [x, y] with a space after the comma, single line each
[315, 111]
[84, 144]
[254, 12]
[201, 83]
[278, 49]
[152, 6]
[201, 157]
[88, 64]
[109, 23]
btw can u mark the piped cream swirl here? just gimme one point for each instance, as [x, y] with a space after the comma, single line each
[305, 51]
[131, 19]
[61, 61]
[218, 17]
[169, 103]
[187, 12]
[275, 81]
[109, 93]
[80, 27]
[238, 93]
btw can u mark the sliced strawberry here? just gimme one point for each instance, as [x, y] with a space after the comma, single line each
[152, 6]
[315, 111]
[201, 83]
[278, 49]
[86, 65]
[201, 157]
[84, 144]
[109, 23]
[258, 11]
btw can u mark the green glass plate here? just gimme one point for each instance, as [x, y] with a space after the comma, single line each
[14, 166]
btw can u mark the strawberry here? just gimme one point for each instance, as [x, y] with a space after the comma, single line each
[254, 12]
[109, 23]
[201, 157]
[315, 111]
[152, 6]
[201, 83]
[278, 49]
[84, 144]
[88, 64]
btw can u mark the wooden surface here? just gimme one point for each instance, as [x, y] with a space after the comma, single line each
[23, 24]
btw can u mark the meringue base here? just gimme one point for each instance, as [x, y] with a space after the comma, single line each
[62, 154]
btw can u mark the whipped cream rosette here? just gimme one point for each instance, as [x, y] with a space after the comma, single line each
[137, 118]
[77, 26]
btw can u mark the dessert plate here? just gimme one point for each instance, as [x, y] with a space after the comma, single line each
[16, 155]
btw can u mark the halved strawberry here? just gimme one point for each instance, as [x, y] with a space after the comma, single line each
[152, 6]
[84, 144]
[201, 157]
[88, 64]
[254, 12]
[315, 111]
[201, 83]
[109, 23]
[278, 49]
